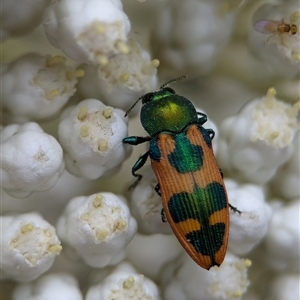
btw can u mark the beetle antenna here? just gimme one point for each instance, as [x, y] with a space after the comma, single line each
[164, 85]
[172, 81]
[132, 106]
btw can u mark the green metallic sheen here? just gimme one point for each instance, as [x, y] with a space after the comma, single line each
[200, 205]
[167, 111]
[186, 157]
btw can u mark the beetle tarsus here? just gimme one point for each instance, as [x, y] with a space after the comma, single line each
[157, 190]
[163, 215]
[234, 209]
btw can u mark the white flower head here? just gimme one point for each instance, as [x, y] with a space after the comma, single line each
[87, 31]
[98, 227]
[61, 286]
[188, 35]
[155, 250]
[29, 245]
[31, 160]
[36, 87]
[250, 226]
[259, 139]
[146, 205]
[289, 89]
[282, 243]
[124, 283]
[91, 135]
[184, 280]
[286, 181]
[122, 80]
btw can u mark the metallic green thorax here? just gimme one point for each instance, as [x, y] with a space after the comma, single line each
[164, 110]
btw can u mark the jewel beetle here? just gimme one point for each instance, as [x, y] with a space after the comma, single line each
[190, 183]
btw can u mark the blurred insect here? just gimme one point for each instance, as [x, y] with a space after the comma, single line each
[275, 27]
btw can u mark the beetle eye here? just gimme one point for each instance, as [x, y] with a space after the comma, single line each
[147, 98]
[169, 90]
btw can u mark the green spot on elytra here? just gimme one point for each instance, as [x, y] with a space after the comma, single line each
[200, 205]
[208, 240]
[186, 157]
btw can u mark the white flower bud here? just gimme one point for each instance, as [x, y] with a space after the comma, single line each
[88, 31]
[36, 87]
[259, 139]
[31, 160]
[92, 136]
[146, 205]
[184, 280]
[188, 35]
[154, 250]
[124, 283]
[98, 227]
[123, 80]
[286, 181]
[282, 242]
[58, 286]
[250, 226]
[29, 246]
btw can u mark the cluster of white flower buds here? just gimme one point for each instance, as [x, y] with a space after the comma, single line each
[71, 72]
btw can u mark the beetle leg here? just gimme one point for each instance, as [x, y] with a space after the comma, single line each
[163, 216]
[157, 190]
[136, 140]
[138, 164]
[203, 118]
[221, 172]
[211, 133]
[234, 209]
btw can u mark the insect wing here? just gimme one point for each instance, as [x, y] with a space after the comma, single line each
[193, 193]
[265, 26]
